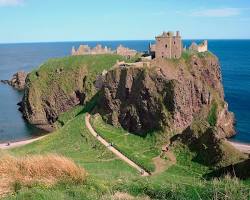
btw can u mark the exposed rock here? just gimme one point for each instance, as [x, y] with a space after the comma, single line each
[60, 84]
[5, 81]
[225, 122]
[166, 96]
[43, 110]
[210, 149]
[17, 81]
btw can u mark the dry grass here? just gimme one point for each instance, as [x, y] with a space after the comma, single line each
[123, 196]
[37, 169]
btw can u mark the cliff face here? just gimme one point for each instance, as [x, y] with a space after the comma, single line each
[166, 96]
[42, 108]
[60, 84]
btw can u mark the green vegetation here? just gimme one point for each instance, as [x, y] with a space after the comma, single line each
[129, 144]
[212, 115]
[67, 75]
[186, 179]
[107, 174]
[186, 54]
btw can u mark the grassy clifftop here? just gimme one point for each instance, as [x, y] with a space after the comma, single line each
[65, 70]
[59, 84]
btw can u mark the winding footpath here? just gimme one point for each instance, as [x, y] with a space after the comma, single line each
[112, 149]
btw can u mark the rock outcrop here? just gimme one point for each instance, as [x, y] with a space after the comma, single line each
[166, 96]
[17, 81]
[209, 147]
[59, 85]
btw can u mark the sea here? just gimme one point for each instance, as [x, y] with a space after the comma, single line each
[234, 56]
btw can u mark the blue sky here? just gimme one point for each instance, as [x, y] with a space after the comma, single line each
[78, 20]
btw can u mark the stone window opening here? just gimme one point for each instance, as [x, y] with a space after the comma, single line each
[166, 46]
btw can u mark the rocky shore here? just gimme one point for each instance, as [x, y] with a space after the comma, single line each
[17, 81]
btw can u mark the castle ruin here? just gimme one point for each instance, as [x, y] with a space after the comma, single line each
[203, 47]
[86, 50]
[167, 45]
[126, 52]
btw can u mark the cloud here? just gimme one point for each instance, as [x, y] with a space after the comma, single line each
[220, 12]
[10, 2]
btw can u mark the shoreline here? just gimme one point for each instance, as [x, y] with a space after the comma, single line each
[243, 147]
[11, 145]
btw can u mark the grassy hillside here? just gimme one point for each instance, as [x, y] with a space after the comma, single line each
[107, 175]
[129, 144]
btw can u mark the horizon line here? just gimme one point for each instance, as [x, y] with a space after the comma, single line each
[122, 40]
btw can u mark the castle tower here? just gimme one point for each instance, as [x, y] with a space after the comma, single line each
[168, 45]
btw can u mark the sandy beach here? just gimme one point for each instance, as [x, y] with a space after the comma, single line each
[11, 145]
[245, 148]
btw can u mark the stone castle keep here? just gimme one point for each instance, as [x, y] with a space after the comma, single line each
[167, 45]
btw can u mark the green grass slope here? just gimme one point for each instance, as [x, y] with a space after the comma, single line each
[141, 151]
[108, 174]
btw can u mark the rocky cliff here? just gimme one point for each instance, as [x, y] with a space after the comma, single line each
[168, 95]
[60, 84]
[17, 81]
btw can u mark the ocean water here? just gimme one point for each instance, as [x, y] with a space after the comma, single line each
[234, 57]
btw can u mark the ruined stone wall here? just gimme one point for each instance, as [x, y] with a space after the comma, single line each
[123, 51]
[203, 47]
[86, 50]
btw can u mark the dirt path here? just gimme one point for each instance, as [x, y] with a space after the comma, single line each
[12, 145]
[112, 149]
[245, 148]
[161, 164]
